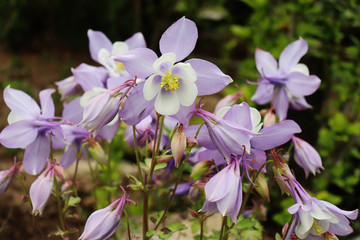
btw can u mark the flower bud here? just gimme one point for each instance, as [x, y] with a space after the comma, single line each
[191, 142]
[178, 145]
[193, 213]
[280, 172]
[97, 153]
[40, 191]
[200, 169]
[269, 118]
[262, 187]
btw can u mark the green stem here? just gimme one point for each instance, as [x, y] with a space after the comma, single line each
[109, 182]
[175, 187]
[287, 231]
[127, 224]
[201, 227]
[156, 154]
[60, 207]
[222, 227]
[137, 156]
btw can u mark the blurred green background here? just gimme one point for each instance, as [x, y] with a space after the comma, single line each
[50, 37]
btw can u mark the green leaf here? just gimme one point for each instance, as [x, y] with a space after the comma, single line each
[338, 123]
[245, 223]
[176, 226]
[73, 201]
[160, 166]
[150, 233]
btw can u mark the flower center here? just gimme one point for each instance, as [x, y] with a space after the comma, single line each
[119, 67]
[169, 81]
[317, 228]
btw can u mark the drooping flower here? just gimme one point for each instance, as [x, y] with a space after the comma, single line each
[315, 218]
[102, 223]
[306, 156]
[30, 127]
[223, 193]
[172, 83]
[41, 188]
[7, 175]
[289, 82]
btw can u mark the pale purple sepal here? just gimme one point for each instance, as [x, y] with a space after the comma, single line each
[292, 54]
[265, 63]
[40, 191]
[264, 92]
[184, 114]
[275, 135]
[210, 79]
[180, 38]
[68, 87]
[136, 41]
[306, 156]
[18, 134]
[138, 62]
[90, 77]
[281, 103]
[47, 103]
[36, 154]
[136, 108]
[113, 82]
[299, 103]
[20, 103]
[108, 132]
[97, 41]
[301, 84]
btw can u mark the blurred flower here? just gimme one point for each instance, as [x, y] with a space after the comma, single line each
[7, 175]
[289, 83]
[31, 127]
[306, 156]
[102, 223]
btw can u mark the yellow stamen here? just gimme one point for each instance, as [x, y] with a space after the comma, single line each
[170, 81]
[317, 229]
[119, 67]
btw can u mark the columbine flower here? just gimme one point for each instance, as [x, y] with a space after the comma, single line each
[171, 83]
[314, 218]
[290, 82]
[238, 126]
[30, 127]
[102, 223]
[101, 49]
[306, 156]
[223, 193]
[41, 188]
[7, 175]
[103, 108]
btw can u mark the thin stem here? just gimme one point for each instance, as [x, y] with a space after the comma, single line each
[201, 227]
[137, 155]
[287, 231]
[36, 223]
[222, 227]
[145, 215]
[154, 156]
[60, 207]
[127, 224]
[175, 187]
[109, 169]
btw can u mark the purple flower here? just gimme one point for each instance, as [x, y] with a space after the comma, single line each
[101, 49]
[314, 218]
[223, 192]
[239, 126]
[7, 175]
[102, 223]
[171, 83]
[103, 108]
[41, 188]
[306, 156]
[30, 127]
[290, 81]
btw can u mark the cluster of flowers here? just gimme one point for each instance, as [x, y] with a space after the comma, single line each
[131, 83]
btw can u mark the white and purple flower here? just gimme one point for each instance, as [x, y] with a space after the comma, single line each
[287, 83]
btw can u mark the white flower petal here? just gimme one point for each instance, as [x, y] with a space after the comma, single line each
[152, 87]
[185, 72]
[167, 102]
[255, 119]
[119, 48]
[165, 62]
[300, 67]
[187, 92]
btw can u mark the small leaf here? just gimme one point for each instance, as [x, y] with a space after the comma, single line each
[175, 226]
[160, 166]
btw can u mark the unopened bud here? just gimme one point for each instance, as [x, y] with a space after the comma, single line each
[280, 172]
[178, 145]
[262, 187]
[200, 169]
[191, 142]
[193, 213]
[330, 236]
[269, 118]
[97, 153]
